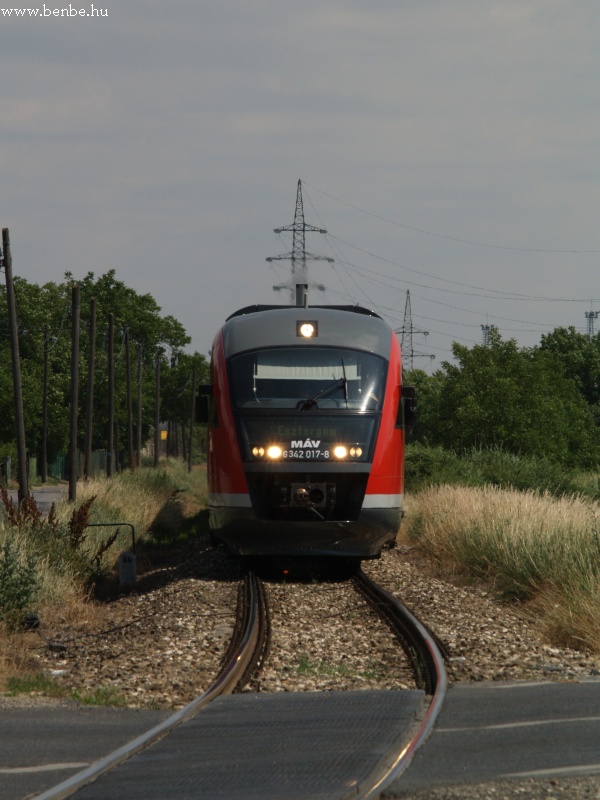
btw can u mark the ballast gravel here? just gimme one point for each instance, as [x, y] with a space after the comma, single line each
[162, 644]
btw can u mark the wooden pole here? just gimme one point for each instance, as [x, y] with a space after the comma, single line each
[138, 444]
[44, 453]
[73, 460]
[130, 457]
[89, 416]
[192, 417]
[16, 369]
[110, 444]
[157, 412]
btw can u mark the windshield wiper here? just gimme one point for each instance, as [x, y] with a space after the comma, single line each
[331, 388]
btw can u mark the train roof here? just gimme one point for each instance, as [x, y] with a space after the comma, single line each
[256, 309]
[266, 326]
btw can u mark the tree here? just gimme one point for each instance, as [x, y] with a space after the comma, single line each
[49, 305]
[579, 357]
[519, 400]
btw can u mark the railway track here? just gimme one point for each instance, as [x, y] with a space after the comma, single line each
[428, 667]
[247, 651]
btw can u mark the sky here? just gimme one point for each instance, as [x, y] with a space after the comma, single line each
[450, 149]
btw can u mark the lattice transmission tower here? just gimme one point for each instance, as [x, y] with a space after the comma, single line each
[298, 255]
[590, 317]
[485, 330]
[407, 333]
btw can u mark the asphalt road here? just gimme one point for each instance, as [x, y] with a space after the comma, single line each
[484, 733]
[42, 746]
[44, 495]
[509, 731]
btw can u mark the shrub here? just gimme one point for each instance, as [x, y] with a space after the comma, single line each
[434, 466]
[18, 584]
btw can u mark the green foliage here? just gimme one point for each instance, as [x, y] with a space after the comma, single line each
[35, 684]
[50, 687]
[60, 545]
[433, 466]
[519, 401]
[44, 319]
[18, 584]
[579, 357]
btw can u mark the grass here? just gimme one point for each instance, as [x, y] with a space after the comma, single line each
[536, 549]
[66, 555]
[51, 565]
[40, 684]
[427, 466]
[308, 668]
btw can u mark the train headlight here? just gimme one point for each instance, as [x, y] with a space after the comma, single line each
[340, 451]
[274, 451]
[307, 328]
[356, 452]
[258, 452]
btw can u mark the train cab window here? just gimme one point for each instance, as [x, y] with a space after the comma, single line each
[308, 379]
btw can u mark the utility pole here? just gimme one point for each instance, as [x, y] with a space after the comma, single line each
[44, 453]
[89, 416]
[157, 411]
[298, 255]
[590, 317]
[131, 457]
[110, 444]
[73, 465]
[16, 368]
[138, 444]
[192, 417]
[407, 333]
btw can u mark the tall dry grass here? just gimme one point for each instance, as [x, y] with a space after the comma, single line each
[154, 501]
[533, 547]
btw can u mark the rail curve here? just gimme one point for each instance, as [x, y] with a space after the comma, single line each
[250, 637]
[430, 673]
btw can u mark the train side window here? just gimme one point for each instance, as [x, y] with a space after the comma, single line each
[407, 407]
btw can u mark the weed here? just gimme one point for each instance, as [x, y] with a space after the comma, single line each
[102, 696]
[41, 684]
[79, 521]
[530, 545]
[343, 670]
[18, 584]
[35, 684]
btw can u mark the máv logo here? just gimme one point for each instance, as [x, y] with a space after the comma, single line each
[314, 443]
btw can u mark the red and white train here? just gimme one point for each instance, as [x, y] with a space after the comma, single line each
[306, 422]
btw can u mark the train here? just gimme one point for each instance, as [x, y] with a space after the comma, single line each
[306, 420]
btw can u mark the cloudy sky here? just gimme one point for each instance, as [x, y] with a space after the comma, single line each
[449, 149]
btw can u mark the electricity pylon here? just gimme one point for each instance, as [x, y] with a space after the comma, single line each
[591, 316]
[485, 329]
[298, 255]
[407, 333]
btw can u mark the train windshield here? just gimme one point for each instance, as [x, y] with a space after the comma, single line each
[307, 379]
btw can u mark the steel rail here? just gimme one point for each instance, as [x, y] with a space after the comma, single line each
[429, 665]
[234, 672]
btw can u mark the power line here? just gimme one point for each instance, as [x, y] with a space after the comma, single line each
[451, 238]
[503, 295]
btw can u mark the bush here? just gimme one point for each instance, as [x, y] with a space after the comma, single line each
[18, 584]
[435, 466]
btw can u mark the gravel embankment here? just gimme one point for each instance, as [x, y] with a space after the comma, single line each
[162, 645]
